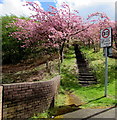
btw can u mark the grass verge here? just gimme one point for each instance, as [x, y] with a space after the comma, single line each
[92, 96]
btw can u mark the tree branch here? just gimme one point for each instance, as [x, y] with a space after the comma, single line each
[81, 30]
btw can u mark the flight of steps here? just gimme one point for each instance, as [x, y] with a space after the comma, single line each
[85, 75]
[87, 78]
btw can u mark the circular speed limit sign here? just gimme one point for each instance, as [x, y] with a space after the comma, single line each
[105, 33]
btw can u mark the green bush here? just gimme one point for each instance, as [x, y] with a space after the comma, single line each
[12, 52]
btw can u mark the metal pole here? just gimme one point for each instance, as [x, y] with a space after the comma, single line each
[106, 72]
[59, 63]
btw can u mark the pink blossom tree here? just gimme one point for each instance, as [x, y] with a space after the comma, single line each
[91, 36]
[55, 27]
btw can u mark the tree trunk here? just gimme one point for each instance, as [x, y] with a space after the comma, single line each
[48, 67]
[67, 43]
[94, 47]
[61, 51]
[59, 64]
[89, 44]
[115, 42]
[61, 55]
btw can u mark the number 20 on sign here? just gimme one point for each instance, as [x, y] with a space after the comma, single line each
[106, 37]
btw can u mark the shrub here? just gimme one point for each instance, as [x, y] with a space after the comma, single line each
[12, 52]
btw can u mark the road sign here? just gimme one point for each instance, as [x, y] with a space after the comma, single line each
[106, 37]
[106, 43]
[109, 51]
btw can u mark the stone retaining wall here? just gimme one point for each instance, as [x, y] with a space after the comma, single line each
[22, 100]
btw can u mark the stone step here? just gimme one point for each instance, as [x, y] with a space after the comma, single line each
[86, 74]
[83, 65]
[85, 71]
[81, 61]
[86, 79]
[88, 82]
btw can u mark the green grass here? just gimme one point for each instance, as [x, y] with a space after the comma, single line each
[95, 93]
[69, 71]
[97, 62]
[93, 96]
[41, 115]
[60, 98]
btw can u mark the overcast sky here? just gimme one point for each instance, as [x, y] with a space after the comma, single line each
[84, 7]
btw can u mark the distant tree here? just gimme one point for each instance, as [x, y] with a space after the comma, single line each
[91, 36]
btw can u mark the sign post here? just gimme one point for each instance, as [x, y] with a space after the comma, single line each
[106, 72]
[106, 41]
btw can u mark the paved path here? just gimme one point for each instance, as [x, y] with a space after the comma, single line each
[0, 102]
[87, 114]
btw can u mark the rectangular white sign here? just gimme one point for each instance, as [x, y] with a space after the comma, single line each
[106, 37]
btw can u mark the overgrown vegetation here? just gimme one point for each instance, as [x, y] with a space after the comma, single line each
[12, 52]
[21, 64]
[93, 95]
[37, 70]
[97, 63]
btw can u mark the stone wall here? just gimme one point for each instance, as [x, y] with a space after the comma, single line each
[22, 100]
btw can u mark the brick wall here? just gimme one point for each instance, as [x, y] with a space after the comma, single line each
[1, 102]
[22, 100]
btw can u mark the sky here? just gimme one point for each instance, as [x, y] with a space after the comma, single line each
[85, 7]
